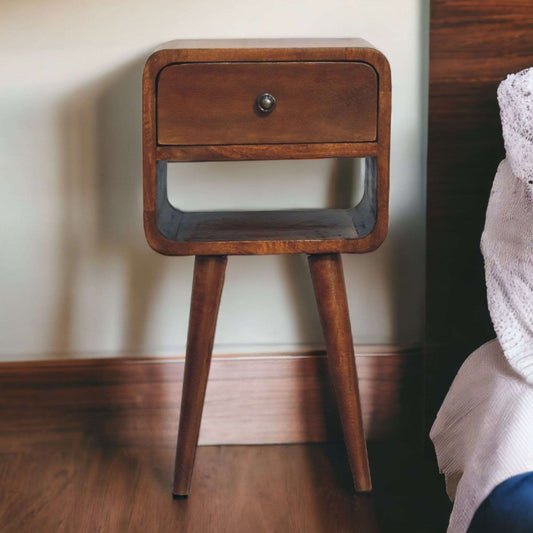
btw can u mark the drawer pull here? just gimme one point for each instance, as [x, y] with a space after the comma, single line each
[266, 103]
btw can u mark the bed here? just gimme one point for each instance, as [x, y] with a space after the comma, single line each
[483, 432]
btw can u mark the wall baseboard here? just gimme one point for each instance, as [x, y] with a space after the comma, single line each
[251, 399]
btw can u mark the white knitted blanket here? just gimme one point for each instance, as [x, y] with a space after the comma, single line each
[507, 241]
[483, 433]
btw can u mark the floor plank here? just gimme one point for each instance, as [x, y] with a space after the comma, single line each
[285, 488]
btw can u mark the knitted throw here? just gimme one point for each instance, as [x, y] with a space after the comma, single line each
[507, 241]
[483, 433]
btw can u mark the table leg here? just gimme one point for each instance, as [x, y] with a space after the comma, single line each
[206, 292]
[330, 292]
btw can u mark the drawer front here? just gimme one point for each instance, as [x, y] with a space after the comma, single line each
[315, 102]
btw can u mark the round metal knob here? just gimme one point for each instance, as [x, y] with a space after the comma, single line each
[266, 103]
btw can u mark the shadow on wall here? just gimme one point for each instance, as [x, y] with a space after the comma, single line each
[102, 204]
[119, 112]
[101, 229]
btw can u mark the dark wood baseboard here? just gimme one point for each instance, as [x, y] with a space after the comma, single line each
[254, 399]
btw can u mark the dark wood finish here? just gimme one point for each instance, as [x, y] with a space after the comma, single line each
[258, 152]
[88, 445]
[316, 102]
[356, 230]
[238, 489]
[251, 399]
[205, 300]
[267, 225]
[161, 220]
[474, 44]
[201, 99]
[328, 282]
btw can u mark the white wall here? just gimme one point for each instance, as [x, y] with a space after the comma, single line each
[76, 276]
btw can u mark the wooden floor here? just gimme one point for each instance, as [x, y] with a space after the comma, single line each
[90, 448]
[90, 487]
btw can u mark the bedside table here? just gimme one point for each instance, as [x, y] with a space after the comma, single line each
[234, 100]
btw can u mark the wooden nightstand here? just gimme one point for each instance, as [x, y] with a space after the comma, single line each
[234, 100]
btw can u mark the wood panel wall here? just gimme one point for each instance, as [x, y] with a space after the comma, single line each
[473, 45]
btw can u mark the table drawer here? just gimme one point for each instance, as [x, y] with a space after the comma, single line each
[315, 102]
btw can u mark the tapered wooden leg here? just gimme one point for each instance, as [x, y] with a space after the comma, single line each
[206, 291]
[330, 291]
